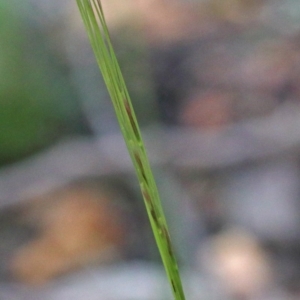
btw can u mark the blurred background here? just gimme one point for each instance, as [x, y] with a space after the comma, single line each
[216, 88]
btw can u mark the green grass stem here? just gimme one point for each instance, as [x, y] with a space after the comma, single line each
[93, 17]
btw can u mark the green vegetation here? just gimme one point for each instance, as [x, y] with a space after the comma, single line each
[93, 17]
[37, 103]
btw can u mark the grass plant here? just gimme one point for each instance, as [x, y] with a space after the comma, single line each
[93, 17]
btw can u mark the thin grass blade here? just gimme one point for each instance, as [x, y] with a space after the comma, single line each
[94, 21]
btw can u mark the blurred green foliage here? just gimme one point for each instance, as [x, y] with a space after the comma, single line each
[37, 103]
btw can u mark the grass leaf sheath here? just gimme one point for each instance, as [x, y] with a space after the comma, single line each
[94, 21]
